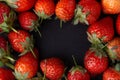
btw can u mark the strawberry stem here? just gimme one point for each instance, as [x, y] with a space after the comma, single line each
[38, 31]
[74, 60]
[10, 66]
[61, 24]
[32, 52]
[13, 29]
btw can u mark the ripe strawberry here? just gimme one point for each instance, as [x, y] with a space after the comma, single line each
[53, 68]
[65, 9]
[96, 60]
[45, 8]
[7, 17]
[21, 5]
[87, 12]
[103, 29]
[118, 24]
[6, 74]
[111, 6]
[114, 48]
[26, 66]
[20, 41]
[78, 73]
[28, 20]
[95, 63]
[3, 43]
[112, 73]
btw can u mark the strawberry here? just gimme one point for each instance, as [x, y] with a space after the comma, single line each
[112, 73]
[53, 68]
[65, 9]
[78, 73]
[20, 5]
[7, 17]
[103, 29]
[6, 74]
[118, 24]
[96, 60]
[111, 6]
[87, 12]
[28, 20]
[95, 63]
[26, 66]
[45, 8]
[20, 41]
[114, 48]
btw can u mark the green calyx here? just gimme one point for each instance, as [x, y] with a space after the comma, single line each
[19, 76]
[97, 45]
[28, 46]
[117, 67]
[80, 16]
[11, 3]
[7, 25]
[42, 16]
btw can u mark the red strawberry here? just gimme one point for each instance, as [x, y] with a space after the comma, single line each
[87, 12]
[21, 5]
[6, 74]
[95, 64]
[114, 48]
[53, 68]
[3, 43]
[20, 41]
[65, 9]
[7, 17]
[26, 66]
[112, 73]
[118, 24]
[111, 6]
[45, 8]
[78, 73]
[28, 20]
[103, 29]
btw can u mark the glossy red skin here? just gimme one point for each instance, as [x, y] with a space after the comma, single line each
[53, 67]
[46, 6]
[65, 9]
[103, 28]
[4, 9]
[94, 9]
[27, 19]
[78, 75]
[16, 39]
[27, 64]
[24, 5]
[3, 43]
[111, 74]
[118, 24]
[115, 42]
[94, 64]
[6, 74]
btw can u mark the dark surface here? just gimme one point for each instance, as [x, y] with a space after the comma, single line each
[63, 42]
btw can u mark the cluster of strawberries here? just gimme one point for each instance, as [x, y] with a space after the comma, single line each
[19, 17]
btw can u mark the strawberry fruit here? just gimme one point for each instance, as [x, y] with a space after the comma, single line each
[87, 12]
[65, 9]
[53, 68]
[28, 20]
[6, 74]
[26, 66]
[112, 73]
[45, 8]
[20, 41]
[103, 29]
[111, 6]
